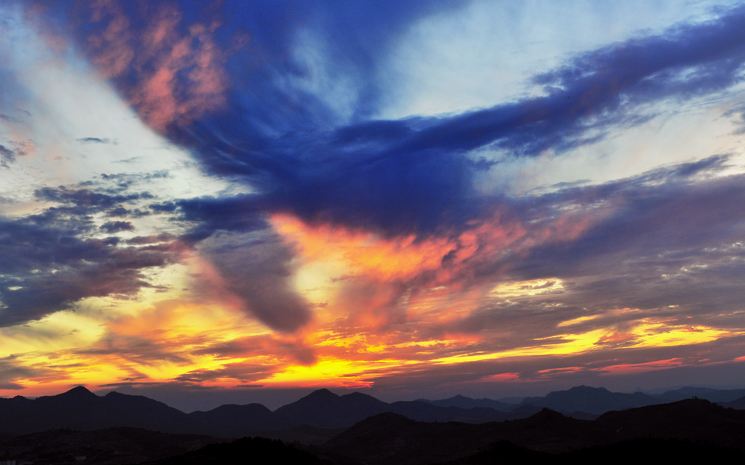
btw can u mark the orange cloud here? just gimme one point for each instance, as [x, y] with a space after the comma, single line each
[502, 377]
[378, 258]
[625, 368]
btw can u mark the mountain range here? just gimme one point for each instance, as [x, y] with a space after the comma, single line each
[687, 428]
[315, 417]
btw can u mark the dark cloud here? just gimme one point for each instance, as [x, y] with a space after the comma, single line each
[112, 227]
[86, 199]
[93, 140]
[157, 239]
[417, 174]
[52, 259]
[6, 156]
[122, 212]
[209, 214]
[165, 207]
[11, 370]
[257, 269]
[9, 118]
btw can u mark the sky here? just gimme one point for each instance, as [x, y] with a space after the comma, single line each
[238, 201]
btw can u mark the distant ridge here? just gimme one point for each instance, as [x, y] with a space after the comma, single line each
[591, 400]
[466, 402]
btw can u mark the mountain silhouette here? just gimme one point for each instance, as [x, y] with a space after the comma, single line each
[233, 421]
[690, 419]
[695, 424]
[317, 416]
[713, 395]
[466, 402]
[326, 409]
[81, 409]
[738, 404]
[591, 400]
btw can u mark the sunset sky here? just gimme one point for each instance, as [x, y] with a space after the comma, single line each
[242, 201]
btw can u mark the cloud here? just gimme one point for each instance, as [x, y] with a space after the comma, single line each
[665, 231]
[93, 140]
[417, 175]
[6, 156]
[11, 371]
[170, 72]
[256, 269]
[112, 227]
[53, 259]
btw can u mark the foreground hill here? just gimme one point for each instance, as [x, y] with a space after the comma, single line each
[111, 446]
[393, 439]
[245, 450]
[646, 450]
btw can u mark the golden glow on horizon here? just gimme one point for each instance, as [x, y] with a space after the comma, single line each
[58, 331]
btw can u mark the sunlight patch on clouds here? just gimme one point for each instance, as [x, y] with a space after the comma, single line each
[528, 288]
[642, 334]
[661, 335]
[627, 368]
[579, 320]
[333, 372]
[58, 331]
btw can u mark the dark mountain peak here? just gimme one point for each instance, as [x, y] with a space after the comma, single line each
[78, 392]
[320, 395]
[547, 414]
[582, 389]
[253, 408]
[358, 398]
[696, 389]
[357, 395]
[119, 395]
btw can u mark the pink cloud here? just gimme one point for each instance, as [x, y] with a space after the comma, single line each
[178, 74]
